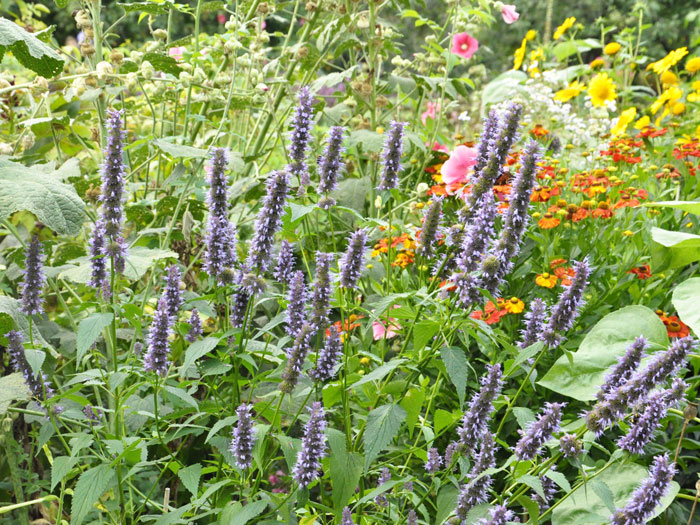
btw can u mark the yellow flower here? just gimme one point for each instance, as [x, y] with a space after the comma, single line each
[628, 233]
[568, 23]
[693, 97]
[612, 48]
[669, 78]
[601, 89]
[696, 85]
[597, 63]
[642, 122]
[546, 280]
[692, 65]
[626, 117]
[531, 34]
[667, 62]
[514, 305]
[519, 55]
[669, 95]
[573, 90]
[678, 108]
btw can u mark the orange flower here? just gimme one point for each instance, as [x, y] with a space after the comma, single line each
[565, 273]
[642, 272]
[603, 211]
[514, 305]
[539, 131]
[490, 315]
[350, 324]
[541, 194]
[556, 262]
[626, 202]
[546, 280]
[675, 327]
[548, 221]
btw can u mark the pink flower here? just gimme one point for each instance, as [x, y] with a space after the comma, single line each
[439, 147]
[380, 331]
[221, 18]
[509, 13]
[464, 45]
[454, 170]
[433, 107]
[176, 53]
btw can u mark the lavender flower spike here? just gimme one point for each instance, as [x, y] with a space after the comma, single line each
[412, 518]
[499, 515]
[113, 178]
[475, 490]
[477, 236]
[625, 367]
[220, 238]
[330, 165]
[570, 445]
[434, 461]
[431, 225]
[172, 292]
[313, 447]
[98, 261]
[347, 517]
[295, 358]
[393, 147]
[534, 323]
[567, 309]
[648, 495]
[37, 384]
[321, 302]
[195, 326]
[243, 438]
[239, 307]
[300, 137]
[268, 221]
[285, 263]
[33, 278]
[477, 415]
[384, 476]
[353, 260]
[491, 127]
[328, 357]
[297, 302]
[539, 432]
[156, 358]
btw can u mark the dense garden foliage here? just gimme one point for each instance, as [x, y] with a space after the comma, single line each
[287, 273]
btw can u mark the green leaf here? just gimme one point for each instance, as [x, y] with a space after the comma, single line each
[352, 193]
[457, 369]
[89, 330]
[378, 373]
[581, 377]
[446, 503]
[685, 301]
[604, 493]
[382, 425]
[565, 49]
[54, 203]
[190, 477]
[366, 140]
[412, 403]
[524, 416]
[688, 206]
[12, 388]
[184, 396]
[503, 87]
[61, 467]
[10, 306]
[586, 506]
[236, 514]
[673, 249]
[91, 485]
[164, 63]
[35, 358]
[534, 483]
[346, 470]
[559, 479]
[297, 211]
[423, 332]
[29, 51]
[197, 350]
[178, 150]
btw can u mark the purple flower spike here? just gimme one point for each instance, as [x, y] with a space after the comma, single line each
[37, 384]
[430, 230]
[434, 461]
[313, 447]
[491, 127]
[98, 261]
[243, 438]
[645, 499]
[384, 476]
[330, 165]
[156, 357]
[391, 157]
[296, 297]
[172, 292]
[570, 445]
[300, 137]
[539, 432]
[475, 490]
[477, 236]
[195, 326]
[353, 260]
[321, 302]
[412, 518]
[33, 278]
[328, 357]
[295, 359]
[285, 263]
[268, 221]
[550, 490]
[476, 418]
[534, 323]
[347, 517]
[625, 367]
[498, 515]
[239, 307]
[567, 309]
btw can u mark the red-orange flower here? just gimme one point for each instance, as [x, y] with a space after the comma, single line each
[642, 272]
[548, 221]
[349, 325]
[492, 313]
[603, 211]
[675, 327]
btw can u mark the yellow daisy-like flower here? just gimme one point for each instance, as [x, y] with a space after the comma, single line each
[667, 62]
[612, 48]
[597, 63]
[669, 78]
[678, 108]
[519, 55]
[642, 122]
[531, 34]
[692, 65]
[568, 23]
[670, 95]
[601, 89]
[626, 117]
[546, 280]
[693, 97]
[573, 90]
[514, 305]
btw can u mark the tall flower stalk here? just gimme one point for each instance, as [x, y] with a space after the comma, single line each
[313, 447]
[300, 137]
[330, 165]
[391, 157]
[220, 238]
[34, 278]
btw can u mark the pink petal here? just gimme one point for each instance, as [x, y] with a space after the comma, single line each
[509, 13]
[464, 45]
[456, 168]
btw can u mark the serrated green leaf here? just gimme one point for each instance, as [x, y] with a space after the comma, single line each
[382, 425]
[236, 514]
[179, 150]
[61, 467]
[457, 369]
[412, 403]
[346, 470]
[604, 493]
[184, 396]
[446, 503]
[190, 477]
[12, 388]
[89, 330]
[378, 373]
[164, 63]
[196, 350]
[29, 51]
[91, 485]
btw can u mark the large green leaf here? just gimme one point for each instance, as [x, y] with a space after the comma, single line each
[197, 350]
[12, 388]
[10, 306]
[457, 369]
[685, 300]
[673, 249]
[586, 506]
[54, 203]
[689, 206]
[29, 50]
[503, 87]
[91, 485]
[580, 374]
[138, 261]
[237, 514]
[167, 145]
[346, 470]
[382, 425]
[89, 330]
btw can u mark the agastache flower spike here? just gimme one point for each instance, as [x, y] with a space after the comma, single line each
[156, 357]
[486, 141]
[328, 356]
[300, 137]
[243, 438]
[297, 302]
[412, 518]
[477, 415]
[498, 515]
[172, 292]
[195, 326]
[477, 235]
[434, 461]
[625, 367]
[285, 263]
[384, 476]
[239, 307]
[539, 432]
[567, 309]
[353, 260]
[321, 302]
[648, 495]
[347, 517]
[19, 362]
[313, 447]
[113, 177]
[98, 261]
[33, 278]
[534, 323]
[570, 445]
[475, 490]
[430, 230]
[391, 156]
[295, 358]
[268, 221]
[330, 165]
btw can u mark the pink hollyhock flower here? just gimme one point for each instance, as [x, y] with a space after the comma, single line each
[464, 45]
[509, 13]
[176, 53]
[455, 169]
[433, 108]
[221, 18]
[439, 147]
[380, 331]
